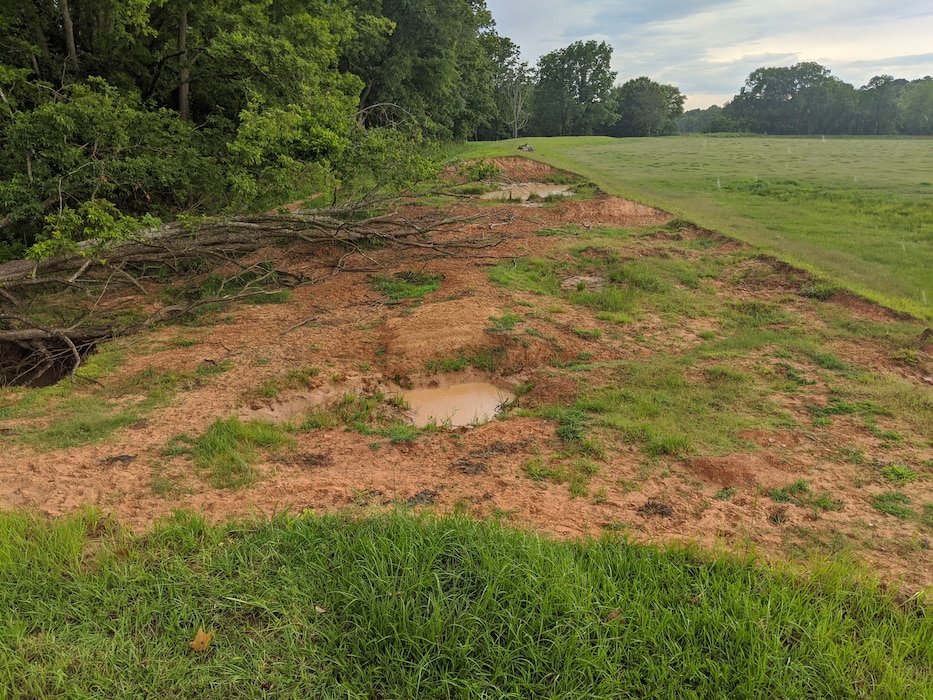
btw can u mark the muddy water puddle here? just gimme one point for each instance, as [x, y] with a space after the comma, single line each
[522, 191]
[457, 405]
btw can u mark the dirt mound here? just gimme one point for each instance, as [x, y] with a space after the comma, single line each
[519, 169]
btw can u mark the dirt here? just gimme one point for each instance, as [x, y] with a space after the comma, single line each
[360, 343]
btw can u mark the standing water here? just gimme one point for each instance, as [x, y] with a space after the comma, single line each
[457, 405]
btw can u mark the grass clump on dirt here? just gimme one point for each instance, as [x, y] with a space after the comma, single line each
[227, 451]
[398, 607]
[893, 503]
[800, 494]
[368, 414]
[407, 285]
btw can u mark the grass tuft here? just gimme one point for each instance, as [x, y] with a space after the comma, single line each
[398, 606]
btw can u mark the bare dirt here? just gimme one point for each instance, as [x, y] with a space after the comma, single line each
[361, 343]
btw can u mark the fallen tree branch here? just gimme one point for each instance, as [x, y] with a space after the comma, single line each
[86, 291]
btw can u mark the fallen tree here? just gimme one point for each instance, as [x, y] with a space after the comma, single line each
[54, 311]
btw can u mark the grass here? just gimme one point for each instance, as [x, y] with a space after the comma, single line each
[398, 607]
[893, 503]
[369, 414]
[854, 209]
[486, 359]
[800, 494]
[293, 379]
[70, 415]
[656, 404]
[227, 451]
[577, 472]
[407, 285]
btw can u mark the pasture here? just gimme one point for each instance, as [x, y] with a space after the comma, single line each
[857, 211]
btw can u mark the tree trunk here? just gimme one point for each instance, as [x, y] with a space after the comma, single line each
[185, 72]
[69, 34]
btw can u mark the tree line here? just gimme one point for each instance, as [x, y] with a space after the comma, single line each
[806, 99]
[117, 113]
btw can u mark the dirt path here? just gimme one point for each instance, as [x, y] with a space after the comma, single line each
[359, 343]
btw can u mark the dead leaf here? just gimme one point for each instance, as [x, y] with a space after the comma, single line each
[320, 610]
[201, 640]
[614, 615]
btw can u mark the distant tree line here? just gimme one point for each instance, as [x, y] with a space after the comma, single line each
[573, 92]
[807, 99]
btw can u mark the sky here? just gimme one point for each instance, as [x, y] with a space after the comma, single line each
[707, 48]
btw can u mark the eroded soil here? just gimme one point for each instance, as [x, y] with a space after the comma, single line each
[360, 343]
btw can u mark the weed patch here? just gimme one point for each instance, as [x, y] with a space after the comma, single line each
[407, 285]
[227, 451]
[893, 503]
[800, 494]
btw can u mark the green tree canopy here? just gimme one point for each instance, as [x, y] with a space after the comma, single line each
[201, 106]
[646, 108]
[433, 67]
[573, 93]
[915, 107]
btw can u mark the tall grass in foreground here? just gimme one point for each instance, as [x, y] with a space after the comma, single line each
[397, 607]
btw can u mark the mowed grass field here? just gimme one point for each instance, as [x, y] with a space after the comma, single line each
[858, 211]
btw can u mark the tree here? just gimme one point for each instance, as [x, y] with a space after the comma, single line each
[104, 120]
[800, 99]
[573, 92]
[877, 104]
[432, 67]
[516, 87]
[646, 108]
[915, 107]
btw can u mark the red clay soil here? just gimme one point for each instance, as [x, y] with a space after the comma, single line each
[359, 342]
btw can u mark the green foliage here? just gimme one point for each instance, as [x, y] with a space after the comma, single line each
[407, 285]
[501, 324]
[431, 68]
[318, 606]
[899, 474]
[800, 494]
[119, 116]
[528, 274]
[646, 108]
[893, 503]
[482, 170]
[227, 451]
[572, 95]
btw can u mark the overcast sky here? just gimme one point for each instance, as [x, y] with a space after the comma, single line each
[708, 47]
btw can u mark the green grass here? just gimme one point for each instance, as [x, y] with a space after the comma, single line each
[70, 415]
[899, 474]
[800, 494]
[227, 452]
[656, 404]
[893, 503]
[855, 209]
[504, 323]
[293, 379]
[485, 359]
[396, 607]
[407, 285]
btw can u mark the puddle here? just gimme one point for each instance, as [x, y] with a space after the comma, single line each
[521, 191]
[456, 405]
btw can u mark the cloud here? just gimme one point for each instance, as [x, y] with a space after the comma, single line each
[708, 47]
